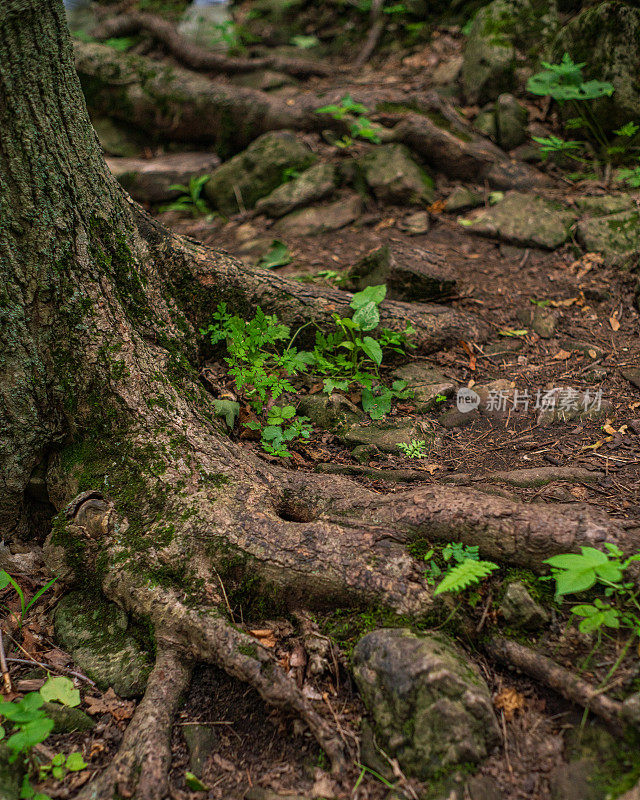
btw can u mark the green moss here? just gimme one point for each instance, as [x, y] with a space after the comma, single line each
[248, 650]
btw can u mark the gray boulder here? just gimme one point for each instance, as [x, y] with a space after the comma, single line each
[511, 122]
[607, 37]
[524, 219]
[427, 383]
[395, 177]
[313, 184]
[256, 172]
[462, 198]
[320, 219]
[431, 709]
[97, 635]
[148, 180]
[520, 610]
[615, 236]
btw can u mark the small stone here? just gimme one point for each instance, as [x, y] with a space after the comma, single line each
[201, 741]
[415, 224]
[454, 418]
[393, 175]
[320, 219]
[601, 205]
[524, 219]
[520, 610]
[330, 412]
[148, 180]
[575, 781]
[312, 185]
[430, 706]
[504, 346]
[542, 320]
[240, 182]
[485, 123]
[616, 237]
[481, 787]
[67, 719]
[632, 374]
[447, 72]
[364, 453]
[384, 435]
[511, 122]
[462, 198]
[427, 383]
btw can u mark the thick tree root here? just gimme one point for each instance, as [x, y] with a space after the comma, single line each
[561, 680]
[140, 768]
[199, 58]
[185, 106]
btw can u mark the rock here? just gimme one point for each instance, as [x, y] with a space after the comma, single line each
[485, 123]
[524, 219]
[588, 348]
[320, 219]
[542, 320]
[565, 405]
[607, 37]
[489, 63]
[117, 139]
[330, 412]
[615, 236]
[264, 80]
[201, 741]
[148, 180]
[489, 60]
[447, 72]
[395, 177]
[11, 775]
[97, 636]
[256, 172]
[313, 184]
[364, 453]
[67, 719]
[424, 281]
[632, 374]
[520, 610]
[454, 418]
[427, 384]
[505, 346]
[431, 708]
[575, 781]
[369, 754]
[384, 435]
[600, 205]
[415, 224]
[480, 787]
[511, 122]
[462, 198]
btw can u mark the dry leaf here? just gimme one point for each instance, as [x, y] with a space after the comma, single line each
[592, 353]
[110, 703]
[562, 355]
[608, 428]
[509, 701]
[266, 636]
[615, 323]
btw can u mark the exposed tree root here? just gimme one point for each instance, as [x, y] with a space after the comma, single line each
[185, 106]
[140, 768]
[561, 680]
[199, 58]
[375, 30]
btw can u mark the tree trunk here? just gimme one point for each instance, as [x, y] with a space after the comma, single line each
[100, 309]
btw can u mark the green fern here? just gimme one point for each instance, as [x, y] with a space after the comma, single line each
[464, 574]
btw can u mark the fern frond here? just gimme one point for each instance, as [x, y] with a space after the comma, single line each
[465, 574]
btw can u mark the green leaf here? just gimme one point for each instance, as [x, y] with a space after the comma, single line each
[465, 574]
[371, 294]
[194, 783]
[372, 349]
[376, 406]
[30, 734]
[5, 579]
[288, 412]
[228, 409]
[75, 762]
[367, 317]
[305, 42]
[277, 256]
[60, 689]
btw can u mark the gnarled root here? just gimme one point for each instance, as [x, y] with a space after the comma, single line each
[140, 768]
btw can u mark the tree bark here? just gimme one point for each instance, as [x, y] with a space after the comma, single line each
[99, 314]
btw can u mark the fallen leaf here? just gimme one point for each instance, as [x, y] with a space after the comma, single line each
[615, 323]
[592, 353]
[509, 701]
[266, 636]
[110, 703]
[562, 355]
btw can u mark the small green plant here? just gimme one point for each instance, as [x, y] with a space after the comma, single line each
[465, 574]
[7, 580]
[191, 199]
[416, 448]
[305, 42]
[283, 425]
[351, 355]
[27, 724]
[458, 565]
[121, 43]
[278, 255]
[360, 126]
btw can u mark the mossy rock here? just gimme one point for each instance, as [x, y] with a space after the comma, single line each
[313, 184]
[386, 436]
[98, 636]
[615, 236]
[607, 37]
[394, 177]
[430, 706]
[257, 171]
[67, 719]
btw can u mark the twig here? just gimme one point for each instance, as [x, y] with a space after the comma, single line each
[6, 676]
[51, 668]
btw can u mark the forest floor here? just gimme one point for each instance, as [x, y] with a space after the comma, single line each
[254, 747]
